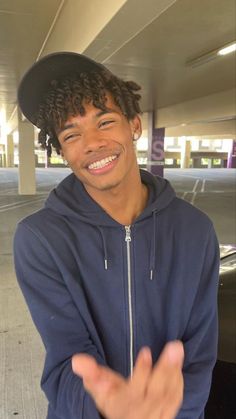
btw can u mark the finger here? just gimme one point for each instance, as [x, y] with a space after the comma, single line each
[93, 374]
[85, 366]
[172, 396]
[103, 384]
[141, 373]
[172, 354]
[169, 363]
[173, 403]
[165, 388]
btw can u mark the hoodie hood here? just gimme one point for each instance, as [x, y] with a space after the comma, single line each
[71, 199]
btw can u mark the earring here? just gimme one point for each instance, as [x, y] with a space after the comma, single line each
[136, 136]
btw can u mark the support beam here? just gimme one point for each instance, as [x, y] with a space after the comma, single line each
[26, 172]
[217, 107]
[10, 151]
[185, 153]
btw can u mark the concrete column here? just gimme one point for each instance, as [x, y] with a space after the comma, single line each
[26, 174]
[209, 165]
[3, 133]
[185, 153]
[9, 151]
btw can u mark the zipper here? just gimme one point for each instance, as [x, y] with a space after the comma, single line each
[131, 350]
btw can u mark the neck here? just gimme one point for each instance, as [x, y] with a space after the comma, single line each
[124, 204]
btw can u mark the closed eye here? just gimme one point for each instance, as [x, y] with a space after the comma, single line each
[105, 123]
[71, 136]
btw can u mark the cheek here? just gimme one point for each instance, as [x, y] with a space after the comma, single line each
[71, 152]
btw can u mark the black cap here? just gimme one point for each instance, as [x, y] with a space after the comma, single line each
[37, 80]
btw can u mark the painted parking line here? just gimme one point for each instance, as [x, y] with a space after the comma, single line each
[203, 185]
[16, 205]
[195, 185]
[198, 187]
[184, 195]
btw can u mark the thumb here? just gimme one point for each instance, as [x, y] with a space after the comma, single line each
[97, 379]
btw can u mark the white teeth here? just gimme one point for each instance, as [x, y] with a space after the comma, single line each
[101, 163]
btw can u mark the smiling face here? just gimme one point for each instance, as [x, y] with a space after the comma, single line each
[98, 147]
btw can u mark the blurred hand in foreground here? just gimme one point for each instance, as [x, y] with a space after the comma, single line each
[153, 392]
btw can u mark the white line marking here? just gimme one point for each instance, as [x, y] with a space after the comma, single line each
[184, 195]
[193, 198]
[20, 204]
[195, 185]
[203, 185]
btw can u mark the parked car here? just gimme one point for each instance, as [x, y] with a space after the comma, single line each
[222, 400]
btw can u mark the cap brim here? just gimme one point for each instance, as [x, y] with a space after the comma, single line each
[36, 81]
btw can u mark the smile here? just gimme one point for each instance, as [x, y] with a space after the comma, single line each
[102, 163]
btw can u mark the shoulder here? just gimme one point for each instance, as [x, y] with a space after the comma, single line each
[36, 227]
[186, 212]
[188, 223]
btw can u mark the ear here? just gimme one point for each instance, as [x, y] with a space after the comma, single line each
[136, 127]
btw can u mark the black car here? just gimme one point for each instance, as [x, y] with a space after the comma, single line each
[222, 400]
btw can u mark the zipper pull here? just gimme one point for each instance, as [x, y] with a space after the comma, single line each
[127, 234]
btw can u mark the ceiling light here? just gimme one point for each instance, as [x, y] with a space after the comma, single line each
[212, 55]
[227, 50]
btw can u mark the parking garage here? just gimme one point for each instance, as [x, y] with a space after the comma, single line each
[189, 133]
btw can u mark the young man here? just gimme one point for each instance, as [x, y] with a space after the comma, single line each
[115, 267]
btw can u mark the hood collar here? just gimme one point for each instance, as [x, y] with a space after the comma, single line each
[71, 199]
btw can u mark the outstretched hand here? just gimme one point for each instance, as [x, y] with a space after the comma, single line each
[153, 392]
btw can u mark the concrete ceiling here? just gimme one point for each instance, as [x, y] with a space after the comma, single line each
[138, 43]
[24, 25]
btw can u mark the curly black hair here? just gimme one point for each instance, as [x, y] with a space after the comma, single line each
[66, 98]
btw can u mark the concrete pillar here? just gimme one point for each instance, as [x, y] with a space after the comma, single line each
[185, 153]
[9, 151]
[26, 174]
[209, 165]
[3, 134]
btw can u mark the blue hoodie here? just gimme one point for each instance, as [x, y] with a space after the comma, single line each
[95, 286]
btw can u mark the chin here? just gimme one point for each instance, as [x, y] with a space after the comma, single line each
[102, 186]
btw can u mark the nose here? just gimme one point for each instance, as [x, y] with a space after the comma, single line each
[93, 141]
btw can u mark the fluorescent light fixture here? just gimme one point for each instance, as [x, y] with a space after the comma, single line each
[212, 55]
[228, 49]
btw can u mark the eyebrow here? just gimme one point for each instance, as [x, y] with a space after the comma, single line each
[98, 114]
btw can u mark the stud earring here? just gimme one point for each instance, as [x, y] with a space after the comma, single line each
[136, 136]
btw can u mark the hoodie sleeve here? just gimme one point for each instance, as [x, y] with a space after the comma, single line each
[201, 336]
[59, 323]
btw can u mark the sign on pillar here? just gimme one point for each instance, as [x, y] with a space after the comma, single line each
[156, 158]
[231, 162]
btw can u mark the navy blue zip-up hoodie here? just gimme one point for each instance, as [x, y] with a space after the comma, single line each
[95, 286]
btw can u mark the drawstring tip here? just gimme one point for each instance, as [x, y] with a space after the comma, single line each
[151, 274]
[105, 264]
